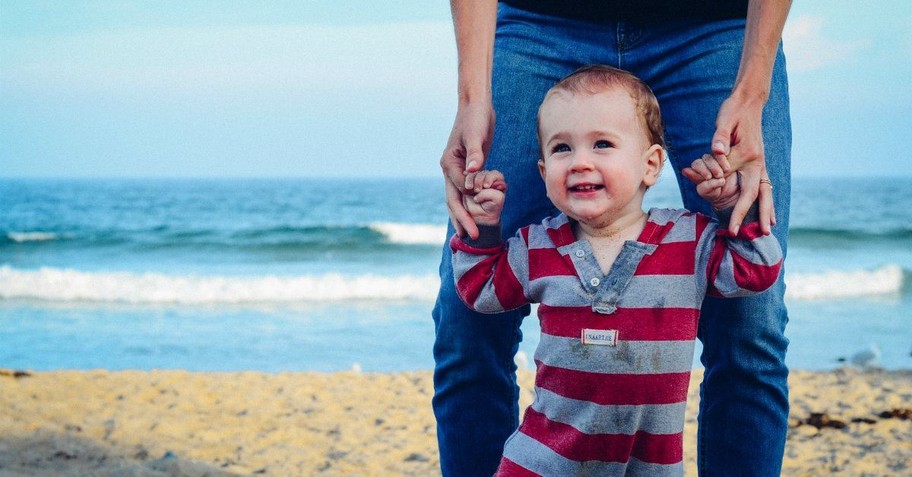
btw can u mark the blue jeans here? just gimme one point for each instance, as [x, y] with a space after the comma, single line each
[691, 67]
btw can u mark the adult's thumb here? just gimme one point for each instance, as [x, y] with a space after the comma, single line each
[720, 143]
[720, 146]
[474, 160]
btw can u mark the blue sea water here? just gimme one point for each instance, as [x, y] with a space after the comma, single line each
[326, 275]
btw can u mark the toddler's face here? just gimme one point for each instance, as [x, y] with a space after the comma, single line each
[596, 158]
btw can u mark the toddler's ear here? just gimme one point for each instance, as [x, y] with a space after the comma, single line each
[541, 168]
[655, 158]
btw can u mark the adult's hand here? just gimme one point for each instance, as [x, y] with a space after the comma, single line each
[738, 146]
[738, 141]
[466, 151]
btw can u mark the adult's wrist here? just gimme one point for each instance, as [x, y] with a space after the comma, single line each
[474, 94]
[752, 91]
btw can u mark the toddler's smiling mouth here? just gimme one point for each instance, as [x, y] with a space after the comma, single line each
[585, 187]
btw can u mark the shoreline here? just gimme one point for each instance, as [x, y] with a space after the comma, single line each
[179, 423]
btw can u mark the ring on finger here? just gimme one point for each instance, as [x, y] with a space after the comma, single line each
[767, 181]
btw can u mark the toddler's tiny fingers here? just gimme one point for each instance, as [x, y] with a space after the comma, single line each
[489, 180]
[691, 174]
[712, 166]
[480, 180]
[706, 188]
[700, 167]
[470, 180]
[723, 161]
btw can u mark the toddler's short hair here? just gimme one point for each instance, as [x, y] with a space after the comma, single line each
[594, 79]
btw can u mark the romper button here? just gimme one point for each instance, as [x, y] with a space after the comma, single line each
[595, 282]
[580, 253]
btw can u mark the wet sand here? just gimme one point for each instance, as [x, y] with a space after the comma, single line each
[176, 423]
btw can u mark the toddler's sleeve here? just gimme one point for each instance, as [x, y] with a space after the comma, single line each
[741, 265]
[486, 270]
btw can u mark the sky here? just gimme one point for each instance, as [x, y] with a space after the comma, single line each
[337, 88]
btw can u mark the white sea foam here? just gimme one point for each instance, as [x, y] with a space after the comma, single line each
[64, 285]
[411, 234]
[885, 280]
[31, 236]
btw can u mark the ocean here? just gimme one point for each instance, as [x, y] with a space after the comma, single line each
[334, 274]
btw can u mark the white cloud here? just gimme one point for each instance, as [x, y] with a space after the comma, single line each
[808, 49]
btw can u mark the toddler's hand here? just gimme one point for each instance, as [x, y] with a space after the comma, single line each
[484, 197]
[721, 192]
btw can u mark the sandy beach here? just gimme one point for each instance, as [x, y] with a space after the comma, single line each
[175, 423]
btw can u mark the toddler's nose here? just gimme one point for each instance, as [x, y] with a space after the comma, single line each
[581, 162]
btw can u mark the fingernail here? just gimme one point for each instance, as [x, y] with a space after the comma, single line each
[719, 147]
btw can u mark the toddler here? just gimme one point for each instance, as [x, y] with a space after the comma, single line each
[619, 289]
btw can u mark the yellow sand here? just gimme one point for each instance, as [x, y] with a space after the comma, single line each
[174, 423]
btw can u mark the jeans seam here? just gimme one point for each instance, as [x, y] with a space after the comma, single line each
[701, 462]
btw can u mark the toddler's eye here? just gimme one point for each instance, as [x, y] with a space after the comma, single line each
[602, 144]
[560, 148]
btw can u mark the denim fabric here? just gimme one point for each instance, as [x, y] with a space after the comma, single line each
[691, 68]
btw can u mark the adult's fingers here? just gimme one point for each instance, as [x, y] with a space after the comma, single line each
[767, 207]
[453, 182]
[459, 216]
[750, 188]
[710, 189]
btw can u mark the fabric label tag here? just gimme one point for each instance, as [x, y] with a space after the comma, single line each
[600, 337]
